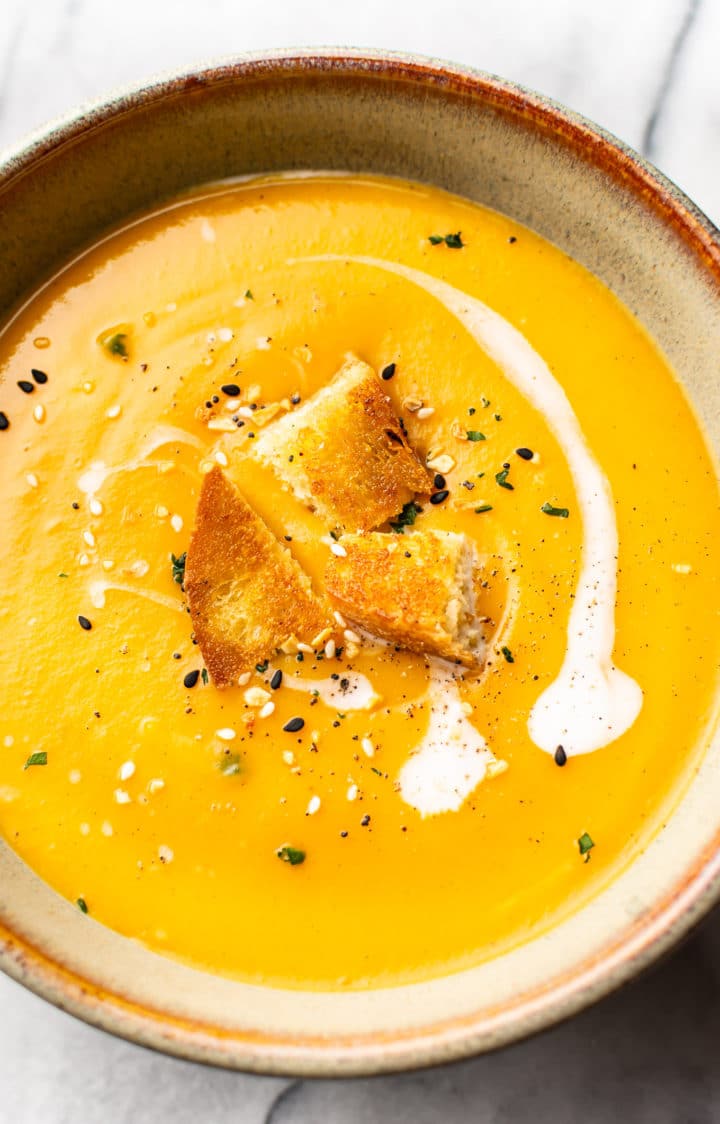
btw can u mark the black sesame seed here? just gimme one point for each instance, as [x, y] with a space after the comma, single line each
[191, 679]
[39, 376]
[4, 421]
[294, 725]
[560, 756]
[388, 372]
[439, 481]
[365, 821]
[439, 497]
[84, 623]
[25, 386]
[231, 389]
[525, 454]
[276, 679]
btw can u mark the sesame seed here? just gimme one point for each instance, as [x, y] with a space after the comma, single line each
[165, 854]
[39, 376]
[107, 564]
[74, 776]
[267, 709]
[425, 412]
[276, 680]
[524, 454]
[106, 828]
[25, 386]
[126, 770]
[352, 792]
[83, 560]
[161, 511]
[560, 756]
[439, 497]
[121, 796]
[388, 372]
[367, 747]
[32, 479]
[307, 648]
[114, 411]
[244, 678]
[176, 523]
[191, 678]
[340, 618]
[155, 785]
[288, 757]
[231, 389]
[294, 725]
[4, 421]
[339, 550]
[96, 508]
[295, 399]
[681, 567]
[84, 623]
[225, 334]
[313, 806]
[89, 538]
[39, 413]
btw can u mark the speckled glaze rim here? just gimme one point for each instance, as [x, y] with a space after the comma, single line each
[641, 942]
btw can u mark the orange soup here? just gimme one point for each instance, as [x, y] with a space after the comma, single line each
[348, 812]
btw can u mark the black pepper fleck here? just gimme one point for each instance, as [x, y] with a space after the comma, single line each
[365, 821]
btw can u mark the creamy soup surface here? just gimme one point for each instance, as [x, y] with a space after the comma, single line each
[361, 848]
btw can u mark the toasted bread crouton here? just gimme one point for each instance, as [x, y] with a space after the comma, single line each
[343, 452]
[417, 591]
[246, 593]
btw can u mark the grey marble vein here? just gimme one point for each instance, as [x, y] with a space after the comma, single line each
[649, 141]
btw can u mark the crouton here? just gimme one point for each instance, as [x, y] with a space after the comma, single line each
[246, 593]
[343, 452]
[417, 591]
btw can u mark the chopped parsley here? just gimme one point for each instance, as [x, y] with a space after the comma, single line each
[406, 518]
[82, 905]
[178, 567]
[62, 575]
[248, 295]
[483, 507]
[485, 402]
[475, 435]
[452, 241]
[39, 758]
[561, 512]
[585, 844]
[501, 478]
[292, 855]
[261, 667]
[204, 676]
[116, 344]
[509, 657]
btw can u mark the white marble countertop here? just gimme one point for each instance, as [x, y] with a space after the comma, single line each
[647, 71]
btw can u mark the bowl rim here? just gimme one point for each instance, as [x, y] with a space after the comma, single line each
[641, 942]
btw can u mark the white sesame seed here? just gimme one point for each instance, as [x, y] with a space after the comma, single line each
[267, 709]
[176, 523]
[165, 854]
[74, 776]
[288, 757]
[340, 619]
[8, 740]
[32, 479]
[106, 828]
[313, 806]
[108, 564]
[330, 650]
[156, 784]
[338, 549]
[88, 387]
[161, 511]
[352, 792]
[84, 828]
[126, 770]
[121, 796]
[351, 637]
[244, 678]
[466, 708]
[221, 458]
[256, 696]
[226, 734]
[367, 747]
[39, 413]
[425, 412]
[83, 560]
[225, 334]
[682, 567]
[89, 538]
[96, 508]
[114, 411]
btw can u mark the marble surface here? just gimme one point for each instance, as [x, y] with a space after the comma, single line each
[647, 71]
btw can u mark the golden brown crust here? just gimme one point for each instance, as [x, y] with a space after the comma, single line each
[246, 593]
[344, 453]
[424, 602]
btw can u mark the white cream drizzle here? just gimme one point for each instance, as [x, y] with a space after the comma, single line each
[93, 479]
[358, 694]
[452, 758]
[591, 702]
[99, 587]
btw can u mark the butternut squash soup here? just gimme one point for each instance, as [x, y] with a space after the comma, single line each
[358, 557]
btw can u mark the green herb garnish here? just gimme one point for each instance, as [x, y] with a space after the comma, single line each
[475, 435]
[248, 295]
[509, 657]
[452, 241]
[376, 771]
[485, 402]
[561, 512]
[483, 507]
[204, 676]
[62, 575]
[229, 765]
[39, 758]
[261, 667]
[406, 518]
[82, 905]
[116, 344]
[501, 478]
[178, 567]
[585, 844]
[291, 855]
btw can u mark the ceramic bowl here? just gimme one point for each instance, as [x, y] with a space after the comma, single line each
[537, 162]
